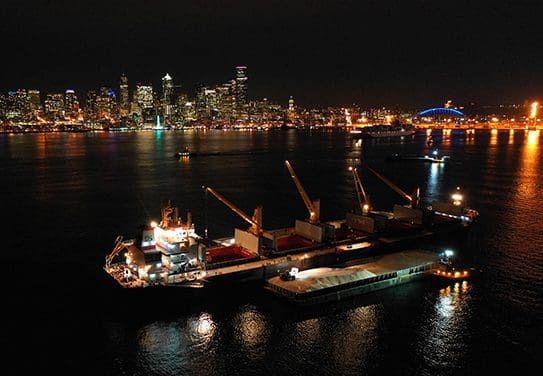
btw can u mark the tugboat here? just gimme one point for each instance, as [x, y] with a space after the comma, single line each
[448, 268]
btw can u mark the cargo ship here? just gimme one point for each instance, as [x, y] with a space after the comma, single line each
[171, 253]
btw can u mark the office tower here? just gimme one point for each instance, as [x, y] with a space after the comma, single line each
[71, 104]
[124, 97]
[241, 86]
[17, 105]
[167, 90]
[106, 104]
[144, 96]
[54, 106]
[225, 101]
[91, 109]
[34, 101]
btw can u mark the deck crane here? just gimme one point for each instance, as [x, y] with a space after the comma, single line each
[363, 199]
[414, 199]
[255, 221]
[312, 206]
[119, 246]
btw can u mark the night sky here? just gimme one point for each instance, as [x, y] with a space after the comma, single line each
[409, 53]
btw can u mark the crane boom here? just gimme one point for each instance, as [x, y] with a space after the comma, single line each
[365, 205]
[396, 189]
[119, 246]
[313, 207]
[255, 221]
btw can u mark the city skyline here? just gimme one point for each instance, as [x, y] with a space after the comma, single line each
[323, 54]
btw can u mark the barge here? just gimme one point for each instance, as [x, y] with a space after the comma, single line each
[382, 130]
[327, 284]
[433, 158]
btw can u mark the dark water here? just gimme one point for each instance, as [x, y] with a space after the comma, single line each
[65, 197]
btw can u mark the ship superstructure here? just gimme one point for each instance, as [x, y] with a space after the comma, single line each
[164, 248]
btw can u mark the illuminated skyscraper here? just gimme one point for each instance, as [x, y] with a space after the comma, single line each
[225, 101]
[34, 101]
[124, 98]
[167, 89]
[291, 112]
[17, 105]
[144, 96]
[167, 95]
[71, 104]
[241, 86]
[106, 104]
[91, 108]
[54, 105]
[291, 104]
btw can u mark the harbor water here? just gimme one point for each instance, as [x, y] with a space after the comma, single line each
[67, 196]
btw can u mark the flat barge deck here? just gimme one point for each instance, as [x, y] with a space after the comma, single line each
[326, 284]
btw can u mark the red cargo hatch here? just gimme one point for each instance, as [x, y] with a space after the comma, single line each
[293, 242]
[222, 254]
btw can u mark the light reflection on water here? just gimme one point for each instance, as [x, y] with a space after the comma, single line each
[93, 189]
[443, 338]
[434, 179]
[252, 329]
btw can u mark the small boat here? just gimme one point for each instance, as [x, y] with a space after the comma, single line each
[186, 153]
[433, 158]
[455, 273]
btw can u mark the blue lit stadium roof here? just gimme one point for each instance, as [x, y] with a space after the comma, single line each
[441, 111]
